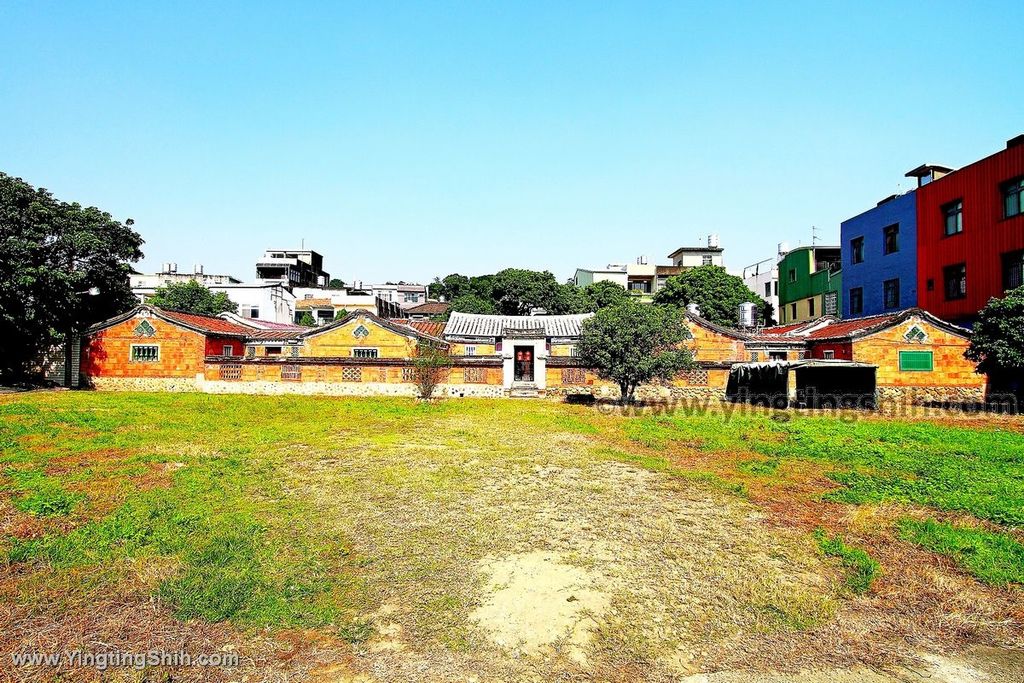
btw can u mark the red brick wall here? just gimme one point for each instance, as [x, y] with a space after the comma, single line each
[108, 353]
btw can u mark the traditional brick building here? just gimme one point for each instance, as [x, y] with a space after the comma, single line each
[152, 349]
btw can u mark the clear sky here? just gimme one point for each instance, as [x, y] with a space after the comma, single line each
[408, 140]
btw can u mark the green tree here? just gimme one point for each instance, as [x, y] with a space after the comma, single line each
[335, 283]
[62, 267]
[192, 297]
[471, 303]
[306, 320]
[603, 293]
[567, 299]
[997, 339]
[339, 314]
[717, 293]
[518, 291]
[430, 368]
[631, 344]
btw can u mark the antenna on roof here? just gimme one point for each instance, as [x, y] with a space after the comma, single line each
[814, 235]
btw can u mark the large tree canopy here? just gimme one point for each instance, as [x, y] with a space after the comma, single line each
[603, 293]
[513, 291]
[632, 343]
[192, 297]
[716, 293]
[997, 341]
[52, 253]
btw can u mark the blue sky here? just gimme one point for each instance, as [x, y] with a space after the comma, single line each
[405, 141]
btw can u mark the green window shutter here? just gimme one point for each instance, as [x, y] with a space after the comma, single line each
[916, 361]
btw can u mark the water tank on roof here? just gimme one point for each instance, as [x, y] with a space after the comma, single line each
[713, 241]
[693, 309]
[747, 314]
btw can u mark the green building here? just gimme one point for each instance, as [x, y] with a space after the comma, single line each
[810, 281]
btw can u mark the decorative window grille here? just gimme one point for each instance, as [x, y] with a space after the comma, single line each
[351, 374]
[291, 372]
[755, 356]
[361, 332]
[408, 374]
[915, 335]
[294, 351]
[145, 353]
[697, 377]
[144, 329]
[250, 351]
[574, 376]
[470, 350]
[474, 375]
[231, 372]
[364, 353]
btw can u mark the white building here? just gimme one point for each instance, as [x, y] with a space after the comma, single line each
[263, 300]
[694, 257]
[762, 278]
[405, 294]
[169, 274]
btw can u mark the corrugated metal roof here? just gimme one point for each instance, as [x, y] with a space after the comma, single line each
[475, 325]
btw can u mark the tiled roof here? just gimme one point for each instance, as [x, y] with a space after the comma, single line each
[401, 327]
[434, 329]
[314, 303]
[276, 335]
[476, 325]
[429, 308]
[846, 328]
[202, 323]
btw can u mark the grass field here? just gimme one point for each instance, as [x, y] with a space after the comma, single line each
[326, 539]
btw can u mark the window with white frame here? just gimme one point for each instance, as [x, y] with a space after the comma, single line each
[145, 353]
[828, 355]
[364, 353]
[227, 350]
[470, 350]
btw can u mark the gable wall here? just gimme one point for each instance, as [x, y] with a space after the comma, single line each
[340, 341]
[107, 353]
[950, 366]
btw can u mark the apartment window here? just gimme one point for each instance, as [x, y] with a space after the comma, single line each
[916, 361]
[1013, 198]
[274, 350]
[643, 286]
[364, 353]
[706, 260]
[792, 274]
[830, 303]
[955, 281]
[828, 355]
[470, 350]
[1013, 270]
[891, 293]
[953, 217]
[411, 297]
[856, 300]
[145, 353]
[792, 312]
[775, 287]
[254, 311]
[857, 250]
[767, 289]
[891, 239]
[810, 307]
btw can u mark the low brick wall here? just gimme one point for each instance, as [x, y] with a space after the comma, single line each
[890, 396]
[144, 384]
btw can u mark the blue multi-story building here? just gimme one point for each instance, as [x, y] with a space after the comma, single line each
[879, 257]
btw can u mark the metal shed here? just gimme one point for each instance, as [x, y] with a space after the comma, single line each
[809, 383]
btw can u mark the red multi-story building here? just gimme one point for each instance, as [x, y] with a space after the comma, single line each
[970, 233]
